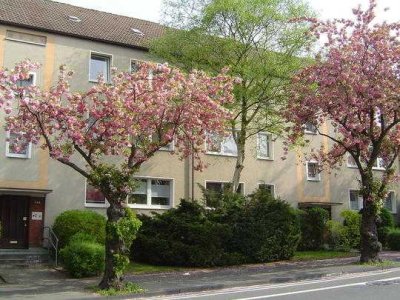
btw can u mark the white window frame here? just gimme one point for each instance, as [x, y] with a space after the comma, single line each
[110, 59]
[148, 193]
[169, 148]
[16, 155]
[309, 131]
[270, 146]
[315, 179]
[393, 210]
[221, 153]
[379, 165]
[222, 182]
[271, 184]
[360, 199]
[352, 166]
[98, 205]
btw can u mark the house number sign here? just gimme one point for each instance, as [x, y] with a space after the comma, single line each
[37, 215]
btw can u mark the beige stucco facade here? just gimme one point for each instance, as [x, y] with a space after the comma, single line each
[68, 188]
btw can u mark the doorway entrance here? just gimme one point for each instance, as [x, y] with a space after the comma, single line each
[14, 219]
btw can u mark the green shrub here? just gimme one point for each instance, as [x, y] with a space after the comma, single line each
[83, 258]
[262, 229]
[393, 239]
[82, 237]
[337, 236]
[312, 225]
[384, 225]
[71, 222]
[183, 236]
[352, 224]
[267, 229]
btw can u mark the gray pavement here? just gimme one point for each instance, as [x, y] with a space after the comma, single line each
[46, 283]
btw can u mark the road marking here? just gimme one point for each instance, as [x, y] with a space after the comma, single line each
[318, 289]
[277, 286]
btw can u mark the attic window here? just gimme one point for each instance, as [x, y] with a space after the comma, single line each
[74, 19]
[137, 31]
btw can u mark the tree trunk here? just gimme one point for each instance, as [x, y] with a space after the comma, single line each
[370, 246]
[114, 246]
[239, 163]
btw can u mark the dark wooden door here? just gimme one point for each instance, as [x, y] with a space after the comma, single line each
[14, 217]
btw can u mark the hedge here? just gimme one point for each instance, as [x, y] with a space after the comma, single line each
[313, 226]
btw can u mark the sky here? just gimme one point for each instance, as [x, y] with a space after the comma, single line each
[150, 9]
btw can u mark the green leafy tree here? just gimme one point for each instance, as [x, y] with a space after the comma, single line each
[259, 43]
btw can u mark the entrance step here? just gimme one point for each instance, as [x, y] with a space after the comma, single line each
[31, 256]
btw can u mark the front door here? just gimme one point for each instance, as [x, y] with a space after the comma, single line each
[14, 218]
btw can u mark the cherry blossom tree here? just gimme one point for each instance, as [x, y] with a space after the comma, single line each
[354, 86]
[109, 131]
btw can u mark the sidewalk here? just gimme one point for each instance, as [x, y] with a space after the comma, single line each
[44, 283]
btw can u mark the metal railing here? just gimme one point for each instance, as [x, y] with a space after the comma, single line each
[52, 242]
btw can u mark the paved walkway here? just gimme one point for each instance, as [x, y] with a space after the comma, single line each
[44, 283]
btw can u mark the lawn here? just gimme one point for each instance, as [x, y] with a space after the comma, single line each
[141, 268]
[322, 254]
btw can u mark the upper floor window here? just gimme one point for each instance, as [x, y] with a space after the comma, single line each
[152, 193]
[31, 80]
[135, 66]
[221, 145]
[168, 147]
[351, 163]
[313, 172]
[17, 146]
[310, 128]
[94, 197]
[264, 146]
[100, 64]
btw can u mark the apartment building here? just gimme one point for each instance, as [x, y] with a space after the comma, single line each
[34, 189]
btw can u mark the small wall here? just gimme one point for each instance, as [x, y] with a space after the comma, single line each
[36, 221]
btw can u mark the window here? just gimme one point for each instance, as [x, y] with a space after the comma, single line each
[94, 197]
[169, 147]
[31, 80]
[351, 163]
[313, 172]
[390, 202]
[356, 200]
[152, 193]
[270, 188]
[17, 146]
[99, 65]
[221, 145]
[310, 128]
[379, 164]
[219, 187]
[264, 146]
[135, 65]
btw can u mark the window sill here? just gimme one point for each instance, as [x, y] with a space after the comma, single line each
[159, 207]
[313, 179]
[352, 167]
[310, 132]
[18, 156]
[265, 158]
[220, 154]
[379, 169]
[94, 205]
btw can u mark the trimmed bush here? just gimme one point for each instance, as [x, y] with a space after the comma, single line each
[183, 236]
[267, 229]
[352, 224]
[83, 258]
[337, 236]
[71, 222]
[385, 225]
[393, 239]
[312, 225]
[263, 229]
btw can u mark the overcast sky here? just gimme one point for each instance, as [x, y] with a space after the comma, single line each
[150, 9]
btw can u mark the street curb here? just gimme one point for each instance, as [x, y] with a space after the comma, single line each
[216, 287]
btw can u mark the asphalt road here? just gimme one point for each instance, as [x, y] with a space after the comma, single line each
[381, 285]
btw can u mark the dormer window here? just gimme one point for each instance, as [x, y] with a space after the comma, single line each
[74, 19]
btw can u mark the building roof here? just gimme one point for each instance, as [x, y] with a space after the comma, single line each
[65, 19]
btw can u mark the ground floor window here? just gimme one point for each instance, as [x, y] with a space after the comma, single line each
[94, 197]
[356, 201]
[152, 193]
[269, 188]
